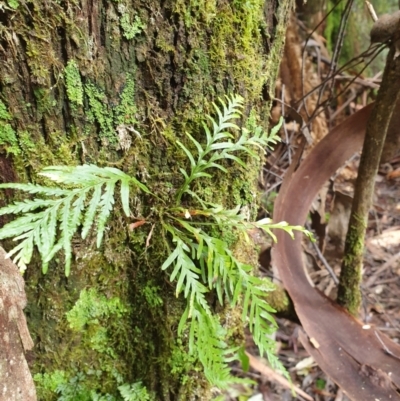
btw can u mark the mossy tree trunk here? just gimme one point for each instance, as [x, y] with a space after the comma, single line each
[117, 83]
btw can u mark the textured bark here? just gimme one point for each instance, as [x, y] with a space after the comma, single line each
[16, 379]
[118, 83]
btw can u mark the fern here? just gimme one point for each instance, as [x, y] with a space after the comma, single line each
[89, 202]
[216, 150]
[207, 342]
[134, 392]
[199, 262]
[186, 272]
[201, 255]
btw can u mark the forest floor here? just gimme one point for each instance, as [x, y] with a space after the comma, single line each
[381, 287]
[329, 221]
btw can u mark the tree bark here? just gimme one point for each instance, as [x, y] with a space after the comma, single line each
[117, 83]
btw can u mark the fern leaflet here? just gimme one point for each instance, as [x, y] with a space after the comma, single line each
[88, 202]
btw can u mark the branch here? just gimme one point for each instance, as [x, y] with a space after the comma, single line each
[349, 294]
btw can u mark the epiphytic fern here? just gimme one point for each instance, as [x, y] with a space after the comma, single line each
[50, 223]
[200, 263]
[220, 143]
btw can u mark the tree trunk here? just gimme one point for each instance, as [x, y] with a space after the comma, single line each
[117, 83]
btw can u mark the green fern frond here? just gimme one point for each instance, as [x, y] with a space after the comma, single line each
[211, 347]
[220, 143]
[35, 189]
[87, 203]
[207, 342]
[134, 392]
[229, 112]
[258, 314]
[199, 262]
[267, 225]
[186, 272]
[199, 258]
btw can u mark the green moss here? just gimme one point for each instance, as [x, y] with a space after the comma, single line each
[116, 122]
[91, 307]
[125, 111]
[73, 83]
[4, 114]
[9, 139]
[131, 28]
[47, 383]
[152, 296]
[100, 112]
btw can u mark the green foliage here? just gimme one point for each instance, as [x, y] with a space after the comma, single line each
[50, 381]
[135, 392]
[201, 264]
[115, 121]
[131, 29]
[126, 110]
[88, 203]
[4, 114]
[220, 144]
[94, 316]
[14, 4]
[101, 112]
[73, 83]
[8, 137]
[320, 384]
[75, 388]
[92, 306]
[93, 312]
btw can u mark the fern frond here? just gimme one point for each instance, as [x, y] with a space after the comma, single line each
[258, 314]
[91, 210]
[25, 206]
[186, 272]
[88, 202]
[35, 189]
[267, 225]
[229, 111]
[220, 143]
[207, 342]
[134, 392]
[199, 258]
[106, 206]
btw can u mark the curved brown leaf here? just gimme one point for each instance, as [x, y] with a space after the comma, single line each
[353, 357]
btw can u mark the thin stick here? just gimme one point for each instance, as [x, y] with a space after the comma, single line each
[371, 10]
[386, 349]
[324, 261]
